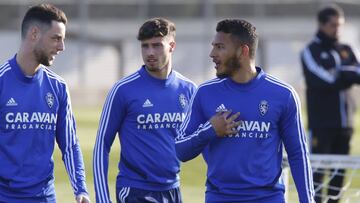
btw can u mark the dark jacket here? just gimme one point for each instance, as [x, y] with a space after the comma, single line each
[330, 69]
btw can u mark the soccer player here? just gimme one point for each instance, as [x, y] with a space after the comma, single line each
[36, 111]
[145, 109]
[330, 69]
[240, 122]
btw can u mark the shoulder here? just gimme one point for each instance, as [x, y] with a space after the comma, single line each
[282, 91]
[4, 68]
[212, 83]
[278, 86]
[314, 47]
[127, 82]
[184, 79]
[53, 76]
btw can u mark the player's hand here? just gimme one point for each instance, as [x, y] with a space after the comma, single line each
[225, 124]
[82, 198]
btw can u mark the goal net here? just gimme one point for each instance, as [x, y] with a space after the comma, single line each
[332, 166]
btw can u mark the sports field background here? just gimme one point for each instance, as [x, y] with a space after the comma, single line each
[192, 172]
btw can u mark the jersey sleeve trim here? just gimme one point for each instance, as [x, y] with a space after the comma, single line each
[100, 175]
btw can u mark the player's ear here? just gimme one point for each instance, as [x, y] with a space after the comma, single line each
[34, 32]
[172, 46]
[243, 50]
[246, 50]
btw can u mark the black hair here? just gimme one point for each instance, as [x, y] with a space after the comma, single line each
[156, 27]
[42, 14]
[324, 14]
[242, 31]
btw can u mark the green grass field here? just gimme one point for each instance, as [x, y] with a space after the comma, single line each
[192, 175]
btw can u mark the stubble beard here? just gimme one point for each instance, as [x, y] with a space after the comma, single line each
[231, 65]
[41, 57]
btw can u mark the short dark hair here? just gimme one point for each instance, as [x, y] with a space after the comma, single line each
[43, 14]
[324, 14]
[242, 30]
[156, 27]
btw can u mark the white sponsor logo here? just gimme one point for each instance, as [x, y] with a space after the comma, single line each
[254, 126]
[253, 129]
[147, 103]
[35, 117]
[158, 120]
[34, 120]
[221, 108]
[11, 102]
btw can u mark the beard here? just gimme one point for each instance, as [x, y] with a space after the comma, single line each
[41, 57]
[231, 65]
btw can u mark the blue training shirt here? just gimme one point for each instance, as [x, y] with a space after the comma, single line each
[34, 112]
[144, 112]
[247, 166]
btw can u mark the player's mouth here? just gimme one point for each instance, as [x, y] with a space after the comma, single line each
[217, 64]
[53, 55]
[151, 60]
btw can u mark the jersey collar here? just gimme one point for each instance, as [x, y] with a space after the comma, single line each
[20, 75]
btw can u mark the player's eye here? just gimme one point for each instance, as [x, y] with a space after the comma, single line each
[57, 39]
[157, 45]
[219, 46]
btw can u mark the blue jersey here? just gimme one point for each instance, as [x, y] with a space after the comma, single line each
[144, 112]
[34, 112]
[247, 166]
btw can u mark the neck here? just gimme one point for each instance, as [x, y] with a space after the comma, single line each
[326, 39]
[161, 73]
[245, 74]
[27, 62]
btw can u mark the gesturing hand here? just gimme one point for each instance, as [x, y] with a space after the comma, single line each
[223, 124]
[82, 199]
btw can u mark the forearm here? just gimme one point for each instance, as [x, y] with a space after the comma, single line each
[74, 165]
[302, 175]
[100, 171]
[351, 74]
[191, 145]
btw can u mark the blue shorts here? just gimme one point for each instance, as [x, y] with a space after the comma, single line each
[135, 195]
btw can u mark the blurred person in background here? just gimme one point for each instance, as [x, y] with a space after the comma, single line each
[331, 69]
[36, 112]
[144, 109]
[240, 121]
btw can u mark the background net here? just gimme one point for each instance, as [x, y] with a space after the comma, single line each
[331, 166]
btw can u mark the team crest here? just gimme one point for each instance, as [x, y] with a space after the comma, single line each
[263, 107]
[183, 101]
[50, 99]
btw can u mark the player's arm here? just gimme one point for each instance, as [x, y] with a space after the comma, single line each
[196, 132]
[69, 145]
[316, 75]
[351, 71]
[111, 117]
[294, 139]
